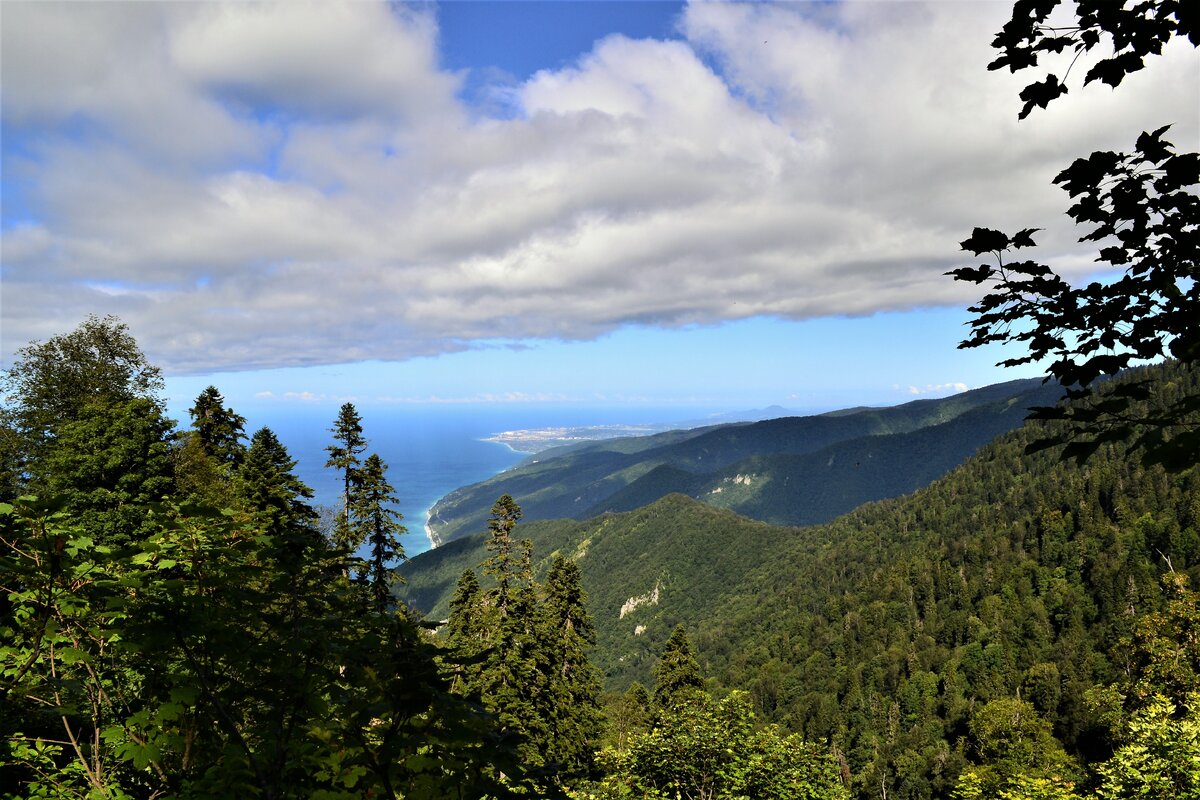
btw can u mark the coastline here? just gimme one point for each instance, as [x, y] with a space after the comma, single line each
[434, 541]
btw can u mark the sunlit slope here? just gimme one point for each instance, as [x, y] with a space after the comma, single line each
[733, 465]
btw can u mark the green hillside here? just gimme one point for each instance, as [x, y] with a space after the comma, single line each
[580, 481]
[808, 488]
[887, 630]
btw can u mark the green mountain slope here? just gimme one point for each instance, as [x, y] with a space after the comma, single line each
[804, 489]
[884, 631]
[583, 480]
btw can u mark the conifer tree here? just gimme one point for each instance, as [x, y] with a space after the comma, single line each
[218, 428]
[343, 455]
[109, 465]
[467, 632]
[273, 492]
[376, 523]
[569, 702]
[504, 564]
[510, 681]
[677, 671]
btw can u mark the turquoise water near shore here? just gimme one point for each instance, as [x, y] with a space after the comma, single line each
[430, 451]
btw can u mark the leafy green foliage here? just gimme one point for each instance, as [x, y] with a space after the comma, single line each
[1013, 748]
[212, 662]
[1160, 755]
[109, 465]
[702, 748]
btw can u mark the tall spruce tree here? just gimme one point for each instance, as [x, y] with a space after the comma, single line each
[467, 632]
[504, 563]
[510, 681]
[343, 455]
[274, 494]
[218, 428]
[378, 524]
[570, 704]
[677, 671]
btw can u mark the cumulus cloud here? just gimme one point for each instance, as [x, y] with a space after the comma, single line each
[259, 185]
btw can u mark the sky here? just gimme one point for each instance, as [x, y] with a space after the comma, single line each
[703, 205]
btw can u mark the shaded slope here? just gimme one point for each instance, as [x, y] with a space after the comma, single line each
[580, 480]
[804, 489]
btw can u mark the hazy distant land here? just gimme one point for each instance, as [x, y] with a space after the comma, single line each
[535, 440]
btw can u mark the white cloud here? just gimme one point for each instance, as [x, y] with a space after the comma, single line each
[294, 184]
[936, 388]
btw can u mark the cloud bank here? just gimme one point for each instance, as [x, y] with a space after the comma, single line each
[255, 186]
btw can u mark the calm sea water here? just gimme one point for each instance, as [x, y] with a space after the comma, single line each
[430, 451]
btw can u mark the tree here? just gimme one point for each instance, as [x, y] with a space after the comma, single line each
[711, 750]
[218, 428]
[52, 382]
[207, 663]
[510, 681]
[504, 564]
[343, 455]
[379, 526]
[467, 632]
[1160, 757]
[569, 702]
[109, 464]
[274, 494]
[1015, 752]
[59, 381]
[677, 673]
[1142, 210]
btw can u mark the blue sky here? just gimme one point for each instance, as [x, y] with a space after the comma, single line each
[709, 206]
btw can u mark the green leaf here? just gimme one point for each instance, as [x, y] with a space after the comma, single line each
[71, 655]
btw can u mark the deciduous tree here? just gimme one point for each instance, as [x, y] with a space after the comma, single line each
[1144, 214]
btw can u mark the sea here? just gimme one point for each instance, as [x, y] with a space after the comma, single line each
[431, 451]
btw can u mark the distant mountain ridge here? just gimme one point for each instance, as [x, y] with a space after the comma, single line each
[790, 470]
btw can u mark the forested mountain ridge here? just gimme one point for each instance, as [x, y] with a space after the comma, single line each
[750, 467]
[891, 630]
